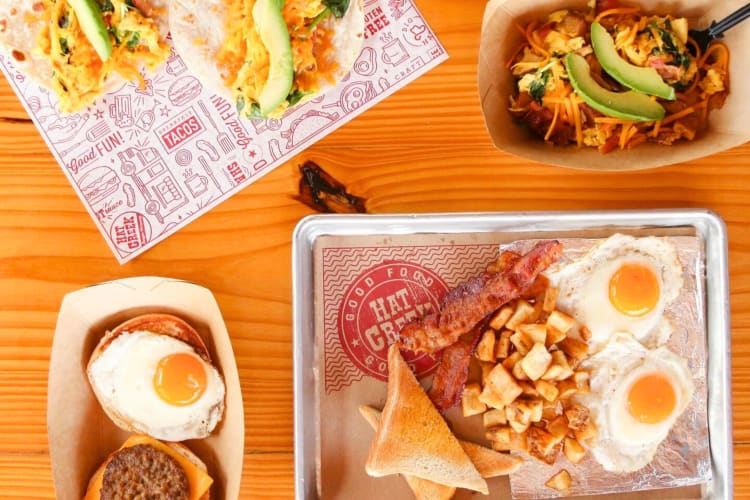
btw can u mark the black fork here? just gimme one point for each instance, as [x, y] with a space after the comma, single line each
[716, 30]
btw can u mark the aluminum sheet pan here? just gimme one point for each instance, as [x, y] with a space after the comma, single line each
[702, 223]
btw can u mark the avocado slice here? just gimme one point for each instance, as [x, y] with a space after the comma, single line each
[628, 105]
[92, 24]
[645, 80]
[272, 30]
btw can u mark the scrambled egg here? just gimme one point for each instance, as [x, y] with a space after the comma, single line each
[79, 74]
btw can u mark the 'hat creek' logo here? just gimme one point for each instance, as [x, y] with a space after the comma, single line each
[378, 304]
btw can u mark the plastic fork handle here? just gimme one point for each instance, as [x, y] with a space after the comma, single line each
[730, 21]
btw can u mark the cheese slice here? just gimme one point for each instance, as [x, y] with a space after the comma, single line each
[199, 480]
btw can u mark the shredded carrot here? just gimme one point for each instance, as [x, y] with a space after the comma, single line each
[577, 120]
[515, 54]
[685, 112]
[612, 12]
[716, 47]
[554, 122]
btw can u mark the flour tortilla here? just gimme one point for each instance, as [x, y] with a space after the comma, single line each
[18, 38]
[198, 30]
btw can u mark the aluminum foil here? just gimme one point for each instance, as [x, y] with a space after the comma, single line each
[683, 459]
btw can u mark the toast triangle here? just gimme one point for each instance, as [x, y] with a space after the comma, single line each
[413, 438]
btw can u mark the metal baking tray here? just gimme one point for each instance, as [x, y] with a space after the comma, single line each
[705, 224]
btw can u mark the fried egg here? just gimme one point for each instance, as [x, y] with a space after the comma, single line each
[623, 284]
[636, 396]
[159, 385]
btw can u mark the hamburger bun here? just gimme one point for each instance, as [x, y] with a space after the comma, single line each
[145, 466]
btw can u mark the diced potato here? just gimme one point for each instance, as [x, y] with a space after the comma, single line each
[520, 315]
[541, 442]
[560, 321]
[502, 346]
[518, 411]
[518, 441]
[551, 409]
[566, 389]
[518, 426]
[588, 432]
[560, 481]
[518, 372]
[558, 428]
[553, 372]
[573, 450]
[546, 390]
[494, 418]
[578, 417]
[534, 331]
[490, 398]
[486, 369]
[537, 409]
[528, 388]
[501, 317]
[550, 299]
[502, 383]
[515, 442]
[559, 359]
[522, 342]
[574, 348]
[553, 336]
[509, 362]
[470, 400]
[500, 434]
[536, 361]
[536, 314]
[485, 350]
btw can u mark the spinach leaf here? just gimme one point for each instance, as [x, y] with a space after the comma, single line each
[64, 20]
[64, 49]
[296, 97]
[135, 39]
[106, 6]
[338, 7]
[538, 86]
[255, 113]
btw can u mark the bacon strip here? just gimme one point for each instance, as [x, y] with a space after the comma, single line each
[453, 371]
[463, 308]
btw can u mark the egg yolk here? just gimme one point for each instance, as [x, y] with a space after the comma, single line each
[651, 399]
[180, 379]
[634, 289]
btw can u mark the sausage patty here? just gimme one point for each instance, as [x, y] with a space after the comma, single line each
[143, 472]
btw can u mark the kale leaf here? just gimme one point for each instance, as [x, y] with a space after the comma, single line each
[338, 7]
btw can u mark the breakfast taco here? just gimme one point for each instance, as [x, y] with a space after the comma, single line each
[82, 48]
[267, 55]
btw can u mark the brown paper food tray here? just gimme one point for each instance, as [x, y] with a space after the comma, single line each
[728, 127]
[80, 434]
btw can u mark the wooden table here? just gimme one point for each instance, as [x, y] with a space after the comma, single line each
[424, 149]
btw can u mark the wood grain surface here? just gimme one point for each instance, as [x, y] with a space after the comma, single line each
[425, 149]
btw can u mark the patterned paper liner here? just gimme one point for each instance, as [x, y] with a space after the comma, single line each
[146, 162]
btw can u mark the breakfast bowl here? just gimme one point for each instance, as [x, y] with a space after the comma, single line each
[81, 433]
[501, 37]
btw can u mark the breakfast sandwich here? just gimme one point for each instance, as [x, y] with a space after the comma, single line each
[146, 468]
[267, 55]
[83, 48]
[153, 375]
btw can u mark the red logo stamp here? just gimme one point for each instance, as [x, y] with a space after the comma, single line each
[130, 231]
[180, 129]
[377, 305]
